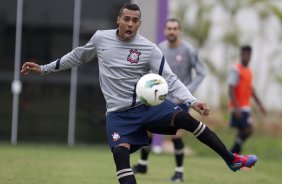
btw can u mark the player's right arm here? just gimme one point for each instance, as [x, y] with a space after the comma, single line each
[233, 81]
[74, 58]
[232, 97]
[199, 69]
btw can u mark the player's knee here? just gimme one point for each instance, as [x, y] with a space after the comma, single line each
[121, 157]
[245, 134]
[150, 135]
[121, 152]
[178, 144]
[249, 130]
[185, 121]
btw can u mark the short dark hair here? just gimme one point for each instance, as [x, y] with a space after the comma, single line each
[173, 20]
[129, 6]
[247, 48]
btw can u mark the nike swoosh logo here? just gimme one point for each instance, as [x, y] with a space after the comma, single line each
[156, 91]
[176, 107]
[104, 49]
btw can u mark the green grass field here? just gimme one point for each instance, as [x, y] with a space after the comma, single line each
[59, 164]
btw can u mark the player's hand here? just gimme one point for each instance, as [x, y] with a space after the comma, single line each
[237, 113]
[29, 67]
[201, 108]
[262, 109]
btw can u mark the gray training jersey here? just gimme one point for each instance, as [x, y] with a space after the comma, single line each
[183, 60]
[121, 64]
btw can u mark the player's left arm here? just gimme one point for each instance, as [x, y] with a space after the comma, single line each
[159, 65]
[200, 72]
[256, 98]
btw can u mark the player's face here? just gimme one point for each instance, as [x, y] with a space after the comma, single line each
[172, 31]
[128, 23]
[245, 57]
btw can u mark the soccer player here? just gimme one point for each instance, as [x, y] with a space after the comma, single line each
[240, 91]
[182, 59]
[124, 56]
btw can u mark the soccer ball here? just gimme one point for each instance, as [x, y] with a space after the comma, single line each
[152, 89]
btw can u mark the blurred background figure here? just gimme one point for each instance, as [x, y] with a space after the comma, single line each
[240, 92]
[183, 60]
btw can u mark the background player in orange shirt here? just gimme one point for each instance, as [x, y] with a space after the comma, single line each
[240, 91]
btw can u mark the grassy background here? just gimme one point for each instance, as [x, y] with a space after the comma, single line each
[86, 164]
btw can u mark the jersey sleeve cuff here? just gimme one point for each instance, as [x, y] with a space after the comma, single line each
[43, 70]
[190, 103]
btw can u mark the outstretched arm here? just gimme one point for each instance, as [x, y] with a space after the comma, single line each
[262, 109]
[74, 58]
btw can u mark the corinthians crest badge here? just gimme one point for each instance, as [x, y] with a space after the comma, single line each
[115, 136]
[133, 56]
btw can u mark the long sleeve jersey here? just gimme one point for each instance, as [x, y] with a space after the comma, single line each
[121, 64]
[183, 60]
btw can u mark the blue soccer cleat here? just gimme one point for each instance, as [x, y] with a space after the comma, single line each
[242, 161]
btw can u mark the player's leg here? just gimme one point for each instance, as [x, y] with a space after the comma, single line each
[179, 151]
[245, 129]
[125, 136]
[205, 135]
[242, 135]
[179, 156]
[142, 165]
[121, 154]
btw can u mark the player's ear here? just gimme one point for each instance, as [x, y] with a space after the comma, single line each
[140, 22]
[118, 18]
[165, 29]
